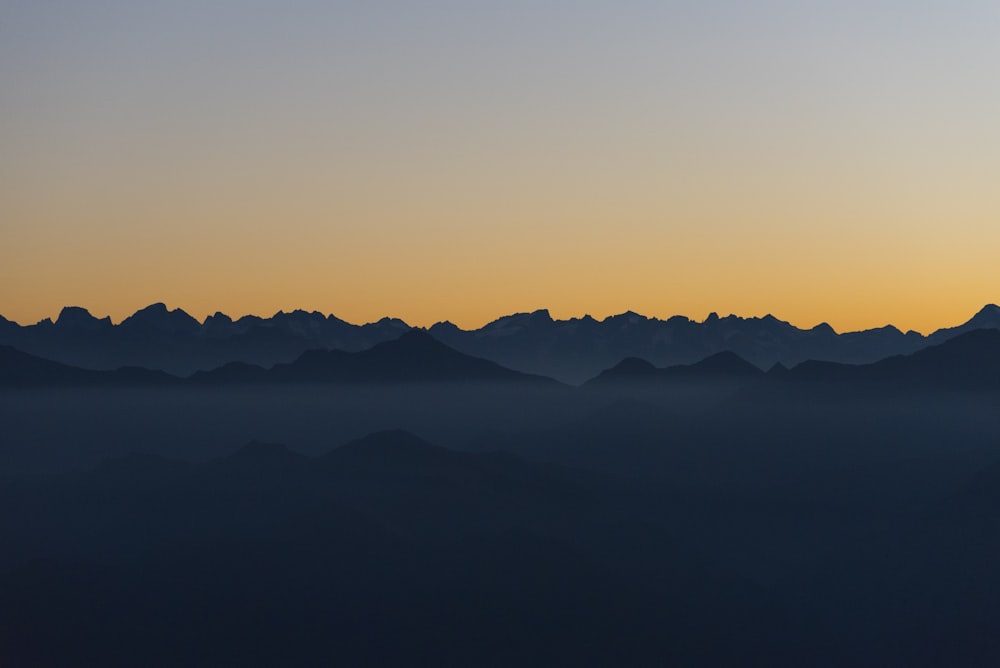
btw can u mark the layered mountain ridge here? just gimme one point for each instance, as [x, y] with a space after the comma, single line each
[572, 350]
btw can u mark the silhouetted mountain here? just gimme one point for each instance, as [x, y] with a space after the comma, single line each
[720, 366]
[987, 318]
[80, 320]
[19, 369]
[629, 369]
[158, 338]
[156, 321]
[725, 364]
[570, 350]
[414, 356]
[970, 360]
[577, 349]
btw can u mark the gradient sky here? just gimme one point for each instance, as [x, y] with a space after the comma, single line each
[433, 160]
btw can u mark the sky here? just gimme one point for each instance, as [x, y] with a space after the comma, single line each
[461, 160]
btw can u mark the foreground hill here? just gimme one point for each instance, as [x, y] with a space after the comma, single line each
[386, 551]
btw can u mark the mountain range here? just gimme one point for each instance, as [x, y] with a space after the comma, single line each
[713, 512]
[720, 366]
[414, 356]
[571, 350]
[968, 360]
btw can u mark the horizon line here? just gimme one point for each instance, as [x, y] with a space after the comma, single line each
[711, 315]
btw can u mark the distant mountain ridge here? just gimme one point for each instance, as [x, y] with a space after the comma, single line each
[970, 360]
[571, 350]
[20, 369]
[726, 365]
[415, 356]
[388, 550]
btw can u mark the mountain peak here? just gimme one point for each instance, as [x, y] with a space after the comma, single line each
[414, 355]
[628, 317]
[726, 362]
[629, 370]
[412, 343]
[988, 316]
[418, 336]
[77, 317]
[158, 317]
[515, 322]
[156, 310]
[444, 326]
[390, 322]
[823, 328]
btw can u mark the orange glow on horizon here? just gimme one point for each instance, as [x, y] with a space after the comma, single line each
[653, 157]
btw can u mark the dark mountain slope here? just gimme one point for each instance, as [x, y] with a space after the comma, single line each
[19, 369]
[970, 360]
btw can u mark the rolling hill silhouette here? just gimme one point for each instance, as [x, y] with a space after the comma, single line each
[414, 356]
[968, 360]
[720, 366]
[19, 369]
[158, 338]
